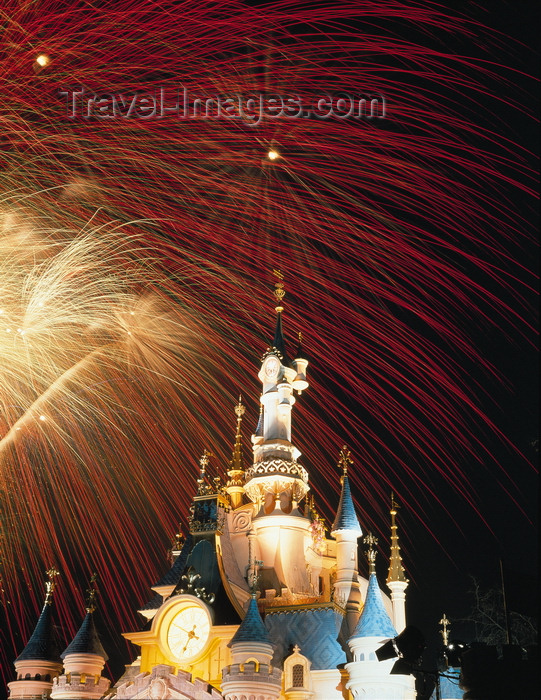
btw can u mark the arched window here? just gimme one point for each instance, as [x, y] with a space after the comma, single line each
[37, 677]
[297, 671]
[48, 678]
[298, 676]
[361, 657]
[27, 677]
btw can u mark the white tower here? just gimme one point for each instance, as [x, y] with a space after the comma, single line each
[277, 482]
[396, 579]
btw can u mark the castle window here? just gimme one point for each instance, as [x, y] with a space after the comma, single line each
[298, 676]
[27, 677]
[48, 678]
[297, 671]
[37, 677]
[361, 657]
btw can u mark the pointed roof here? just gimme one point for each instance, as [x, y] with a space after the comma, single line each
[172, 577]
[87, 640]
[396, 570]
[346, 518]
[251, 628]
[41, 646]
[278, 340]
[374, 620]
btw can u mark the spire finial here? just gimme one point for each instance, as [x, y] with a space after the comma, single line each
[371, 541]
[345, 460]
[202, 487]
[91, 594]
[236, 461]
[50, 585]
[279, 291]
[446, 629]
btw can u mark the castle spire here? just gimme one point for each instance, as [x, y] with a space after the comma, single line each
[346, 531]
[279, 293]
[396, 570]
[235, 485]
[346, 518]
[41, 645]
[371, 553]
[396, 579]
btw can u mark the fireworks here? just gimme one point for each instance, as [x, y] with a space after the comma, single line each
[136, 255]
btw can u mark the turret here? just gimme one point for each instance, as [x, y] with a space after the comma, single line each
[39, 662]
[346, 531]
[84, 660]
[369, 677]
[251, 672]
[396, 579]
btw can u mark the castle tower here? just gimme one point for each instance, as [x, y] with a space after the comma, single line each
[276, 482]
[251, 673]
[346, 531]
[84, 660]
[396, 579]
[368, 677]
[39, 662]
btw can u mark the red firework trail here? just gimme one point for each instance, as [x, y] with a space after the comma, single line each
[397, 236]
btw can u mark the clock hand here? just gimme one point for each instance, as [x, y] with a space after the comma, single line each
[191, 635]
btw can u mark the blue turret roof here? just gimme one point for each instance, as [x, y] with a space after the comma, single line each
[251, 628]
[41, 645]
[374, 620]
[87, 640]
[346, 518]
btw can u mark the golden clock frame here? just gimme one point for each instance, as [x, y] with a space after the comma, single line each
[207, 664]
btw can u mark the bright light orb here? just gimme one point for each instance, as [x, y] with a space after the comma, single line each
[43, 60]
[273, 155]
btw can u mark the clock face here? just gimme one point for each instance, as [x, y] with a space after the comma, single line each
[272, 367]
[188, 632]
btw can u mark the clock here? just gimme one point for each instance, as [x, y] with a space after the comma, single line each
[272, 367]
[189, 630]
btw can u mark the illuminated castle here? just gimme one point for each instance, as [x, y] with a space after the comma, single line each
[259, 603]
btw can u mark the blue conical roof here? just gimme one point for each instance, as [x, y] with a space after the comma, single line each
[87, 640]
[374, 620]
[251, 628]
[346, 518]
[41, 645]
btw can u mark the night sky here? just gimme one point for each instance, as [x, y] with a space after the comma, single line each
[444, 540]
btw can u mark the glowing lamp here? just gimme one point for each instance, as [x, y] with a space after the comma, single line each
[43, 60]
[273, 155]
